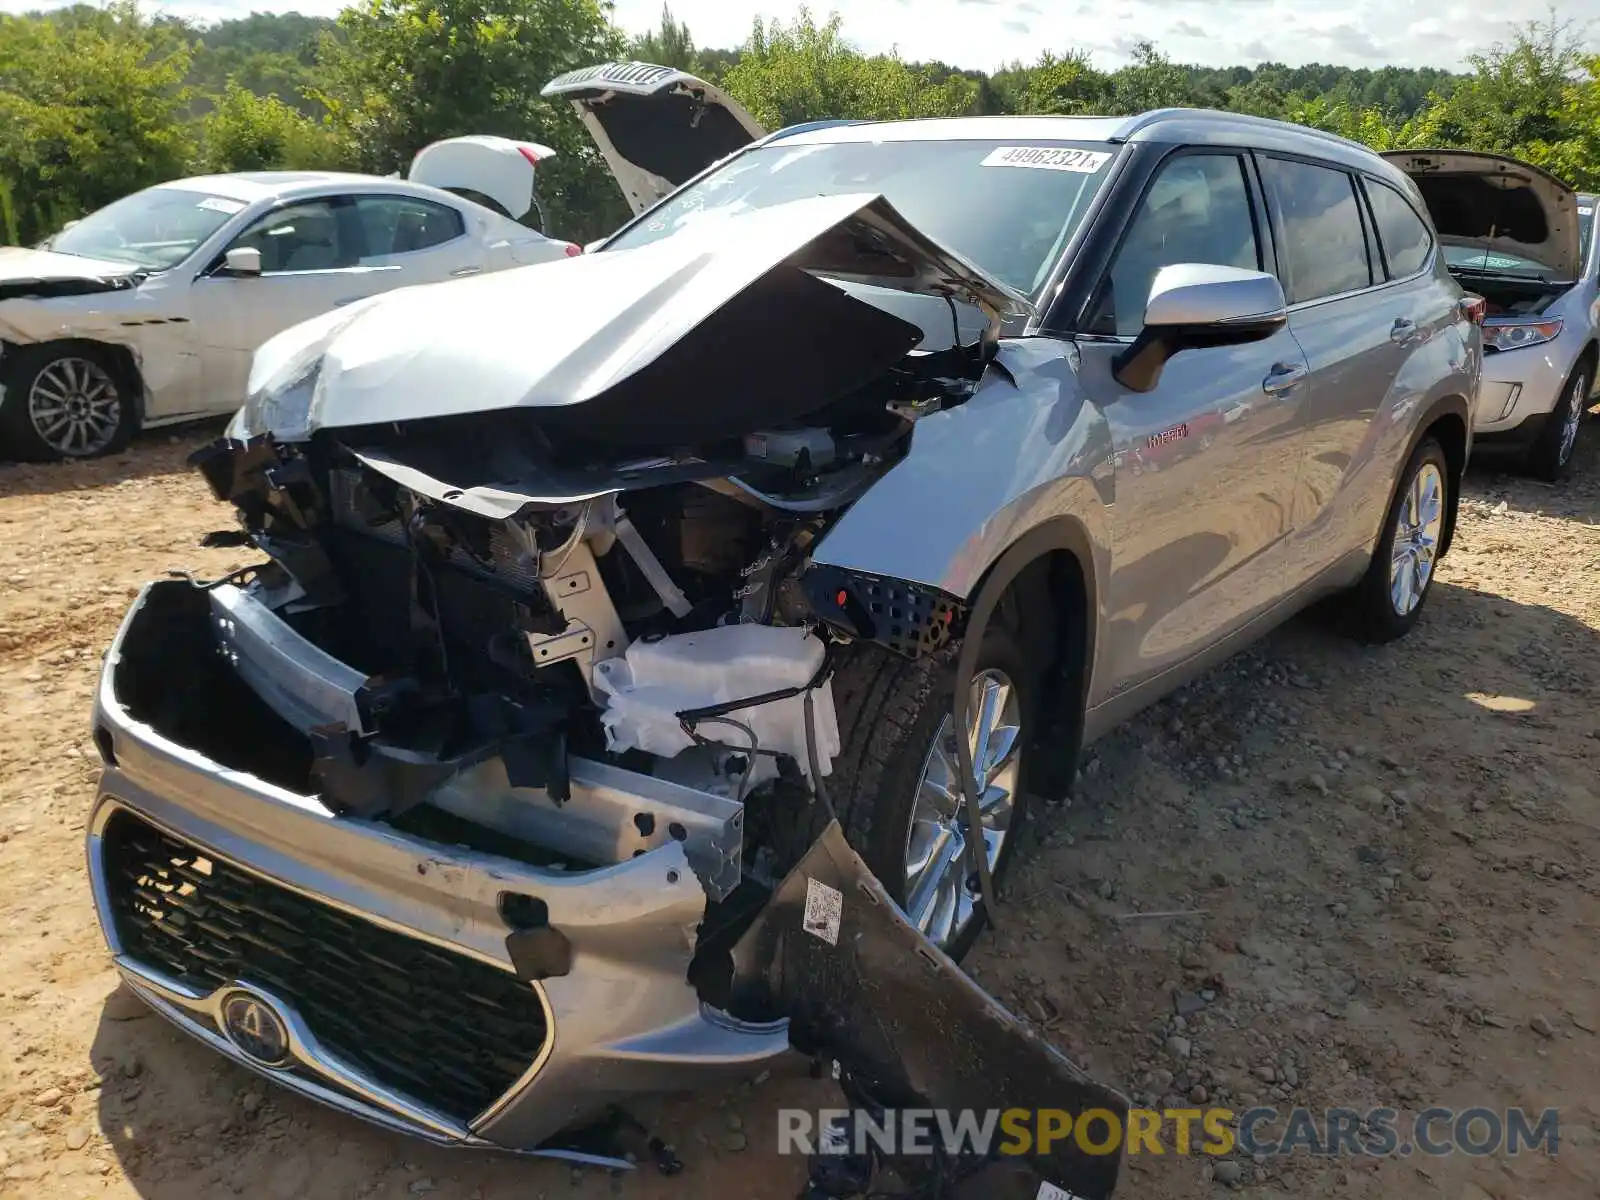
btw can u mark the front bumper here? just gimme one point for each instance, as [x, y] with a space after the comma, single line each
[623, 1020]
[1521, 388]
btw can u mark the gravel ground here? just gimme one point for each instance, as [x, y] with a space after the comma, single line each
[1386, 856]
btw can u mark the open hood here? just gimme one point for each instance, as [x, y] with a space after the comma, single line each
[1496, 203]
[657, 127]
[496, 170]
[682, 341]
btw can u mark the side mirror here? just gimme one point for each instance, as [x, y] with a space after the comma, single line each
[242, 260]
[1196, 305]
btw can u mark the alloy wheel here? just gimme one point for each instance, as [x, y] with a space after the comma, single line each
[1418, 525]
[74, 407]
[940, 888]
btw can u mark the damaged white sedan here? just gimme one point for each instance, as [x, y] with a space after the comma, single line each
[147, 312]
[654, 653]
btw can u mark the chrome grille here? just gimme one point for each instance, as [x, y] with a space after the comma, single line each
[442, 1029]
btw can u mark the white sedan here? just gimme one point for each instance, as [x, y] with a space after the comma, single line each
[147, 312]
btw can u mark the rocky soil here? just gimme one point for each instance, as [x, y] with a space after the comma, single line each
[1383, 863]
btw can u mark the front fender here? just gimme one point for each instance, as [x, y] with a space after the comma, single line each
[1026, 449]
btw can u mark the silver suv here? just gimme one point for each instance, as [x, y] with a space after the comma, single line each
[652, 656]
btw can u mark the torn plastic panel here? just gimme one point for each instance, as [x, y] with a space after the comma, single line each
[54, 289]
[859, 984]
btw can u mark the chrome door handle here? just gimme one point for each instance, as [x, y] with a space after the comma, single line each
[1284, 376]
[460, 271]
[1402, 330]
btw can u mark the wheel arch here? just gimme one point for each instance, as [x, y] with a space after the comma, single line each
[1045, 585]
[1449, 421]
[118, 355]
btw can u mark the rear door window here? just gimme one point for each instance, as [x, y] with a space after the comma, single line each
[1402, 233]
[1322, 244]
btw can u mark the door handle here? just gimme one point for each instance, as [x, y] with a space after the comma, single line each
[1283, 377]
[460, 271]
[345, 300]
[1403, 330]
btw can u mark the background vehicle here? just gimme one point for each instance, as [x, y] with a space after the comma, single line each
[1516, 235]
[822, 517]
[147, 312]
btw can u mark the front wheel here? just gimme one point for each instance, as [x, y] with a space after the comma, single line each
[64, 402]
[1552, 451]
[895, 783]
[1389, 599]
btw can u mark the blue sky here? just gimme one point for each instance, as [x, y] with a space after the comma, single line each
[987, 33]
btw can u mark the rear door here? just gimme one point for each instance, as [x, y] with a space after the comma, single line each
[1368, 325]
[657, 127]
[424, 240]
[1206, 461]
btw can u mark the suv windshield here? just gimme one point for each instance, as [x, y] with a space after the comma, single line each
[156, 228]
[1008, 208]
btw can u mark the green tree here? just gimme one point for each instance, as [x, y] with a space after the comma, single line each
[248, 132]
[91, 108]
[404, 73]
[1152, 80]
[808, 72]
[668, 45]
[1067, 85]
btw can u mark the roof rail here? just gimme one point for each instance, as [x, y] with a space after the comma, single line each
[1157, 115]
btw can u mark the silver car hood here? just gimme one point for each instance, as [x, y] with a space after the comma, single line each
[41, 274]
[656, 127]
[735, 313]
[1497, 203]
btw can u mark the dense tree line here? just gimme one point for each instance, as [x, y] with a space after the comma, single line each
[95, 102]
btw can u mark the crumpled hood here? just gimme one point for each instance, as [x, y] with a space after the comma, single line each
[41, 273]
[652, 342]
[1497, 203]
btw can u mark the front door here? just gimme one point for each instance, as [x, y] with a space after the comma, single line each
[1205, 463]
[312, 261]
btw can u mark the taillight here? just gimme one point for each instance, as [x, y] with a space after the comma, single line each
[527, 153]
[1476, 308]
[573, 251]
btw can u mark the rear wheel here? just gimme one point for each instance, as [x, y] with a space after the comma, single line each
[895, 783]
[64, 401]
[1389, 599]
[1552, 451]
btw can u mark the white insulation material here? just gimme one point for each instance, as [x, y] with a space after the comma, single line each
[655, 680]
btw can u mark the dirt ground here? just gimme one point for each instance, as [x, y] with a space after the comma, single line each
[1389, 855]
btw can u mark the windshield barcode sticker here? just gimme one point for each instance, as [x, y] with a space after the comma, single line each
[221, 204]
[824, 908]
[1047, 158]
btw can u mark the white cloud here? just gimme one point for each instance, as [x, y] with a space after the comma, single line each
[987, 33]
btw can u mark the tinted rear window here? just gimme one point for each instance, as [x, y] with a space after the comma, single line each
[1403, 234]
[1322, 242]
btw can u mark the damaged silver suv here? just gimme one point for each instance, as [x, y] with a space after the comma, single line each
[653, 655]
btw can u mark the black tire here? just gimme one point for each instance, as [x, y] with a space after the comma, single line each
[890, 709]
[1375, 615]
[105, 403]
[1551, 454]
